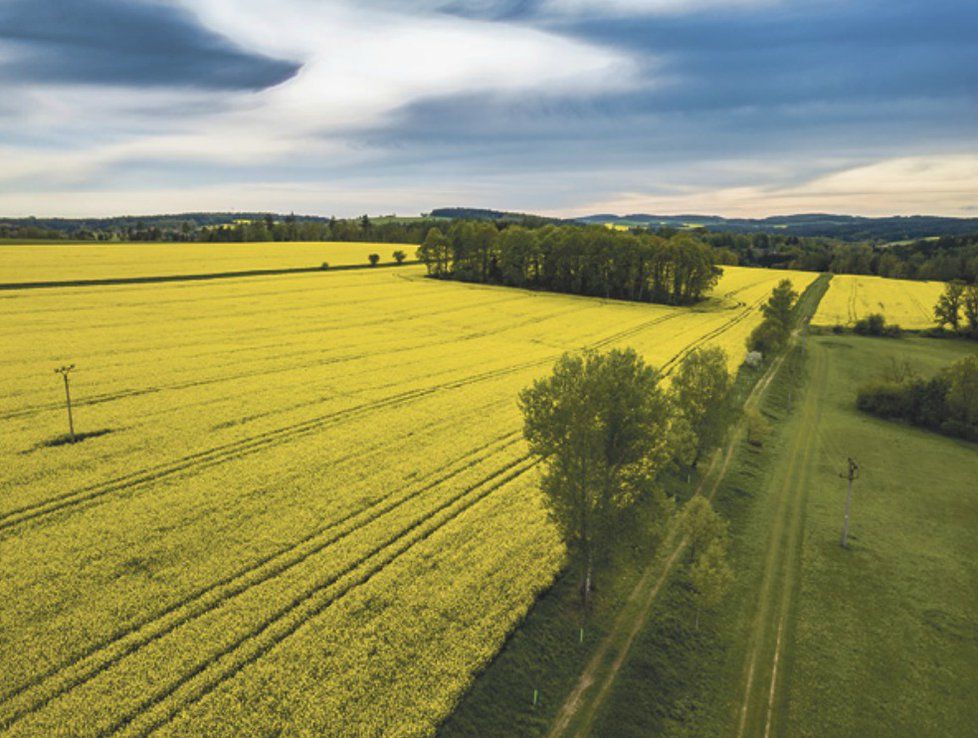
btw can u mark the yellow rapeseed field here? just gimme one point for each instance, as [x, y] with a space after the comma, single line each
[312, 509]
[908, 303]
[59, 263]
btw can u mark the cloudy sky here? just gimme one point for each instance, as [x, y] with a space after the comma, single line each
[732, 107]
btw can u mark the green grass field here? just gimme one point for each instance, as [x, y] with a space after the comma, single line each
[887, 631]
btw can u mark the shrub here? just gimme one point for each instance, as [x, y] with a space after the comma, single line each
[757, 428]
[767, 338]
[871, 325]
[886, 399]
[374, 258]
[875, 325]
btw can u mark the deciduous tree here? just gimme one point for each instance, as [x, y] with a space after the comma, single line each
[711, 576]
[600, 422]
[699, 390]
[948, 307]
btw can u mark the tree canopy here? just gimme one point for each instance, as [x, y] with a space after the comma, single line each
[600, 422]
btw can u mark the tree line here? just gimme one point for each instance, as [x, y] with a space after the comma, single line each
[945, 258]
[607, 431]
[592, 260]
[224, 228]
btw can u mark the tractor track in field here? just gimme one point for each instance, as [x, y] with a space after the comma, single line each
[924, 313]
[673, 362]
[223, 378]
[136, 392]
[236, 449]
[244, 447]
[275, 629]
[110, 651]
[851, 304]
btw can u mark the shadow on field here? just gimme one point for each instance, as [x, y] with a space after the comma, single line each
[66, 440]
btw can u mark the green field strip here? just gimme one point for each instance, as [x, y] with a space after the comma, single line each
[770, 628]
[156, 279]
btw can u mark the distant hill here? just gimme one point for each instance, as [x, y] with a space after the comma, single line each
[845, 227]
[494, 215]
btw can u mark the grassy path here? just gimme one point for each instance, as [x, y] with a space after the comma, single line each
[770, 627]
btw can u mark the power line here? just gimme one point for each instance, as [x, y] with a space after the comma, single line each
[853, 473]
[63, 371]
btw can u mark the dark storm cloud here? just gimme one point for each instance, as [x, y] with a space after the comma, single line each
[124, 42]
[802, 52]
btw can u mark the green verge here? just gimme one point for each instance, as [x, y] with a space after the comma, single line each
[545, 655]
[880, 638]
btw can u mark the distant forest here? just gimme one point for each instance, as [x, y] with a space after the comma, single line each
[944, 258]
[937, 257]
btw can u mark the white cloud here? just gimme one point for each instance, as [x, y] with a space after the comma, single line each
[939, 185]
[360, 64]
[341, 198]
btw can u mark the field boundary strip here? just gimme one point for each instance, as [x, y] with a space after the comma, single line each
[154, 279]
[658, 571]
[781, 566]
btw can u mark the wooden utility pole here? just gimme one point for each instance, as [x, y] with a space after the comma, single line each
[63, 371]
[852, 474]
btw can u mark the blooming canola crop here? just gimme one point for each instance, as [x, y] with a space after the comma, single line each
[309, 504]
[907, 303]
